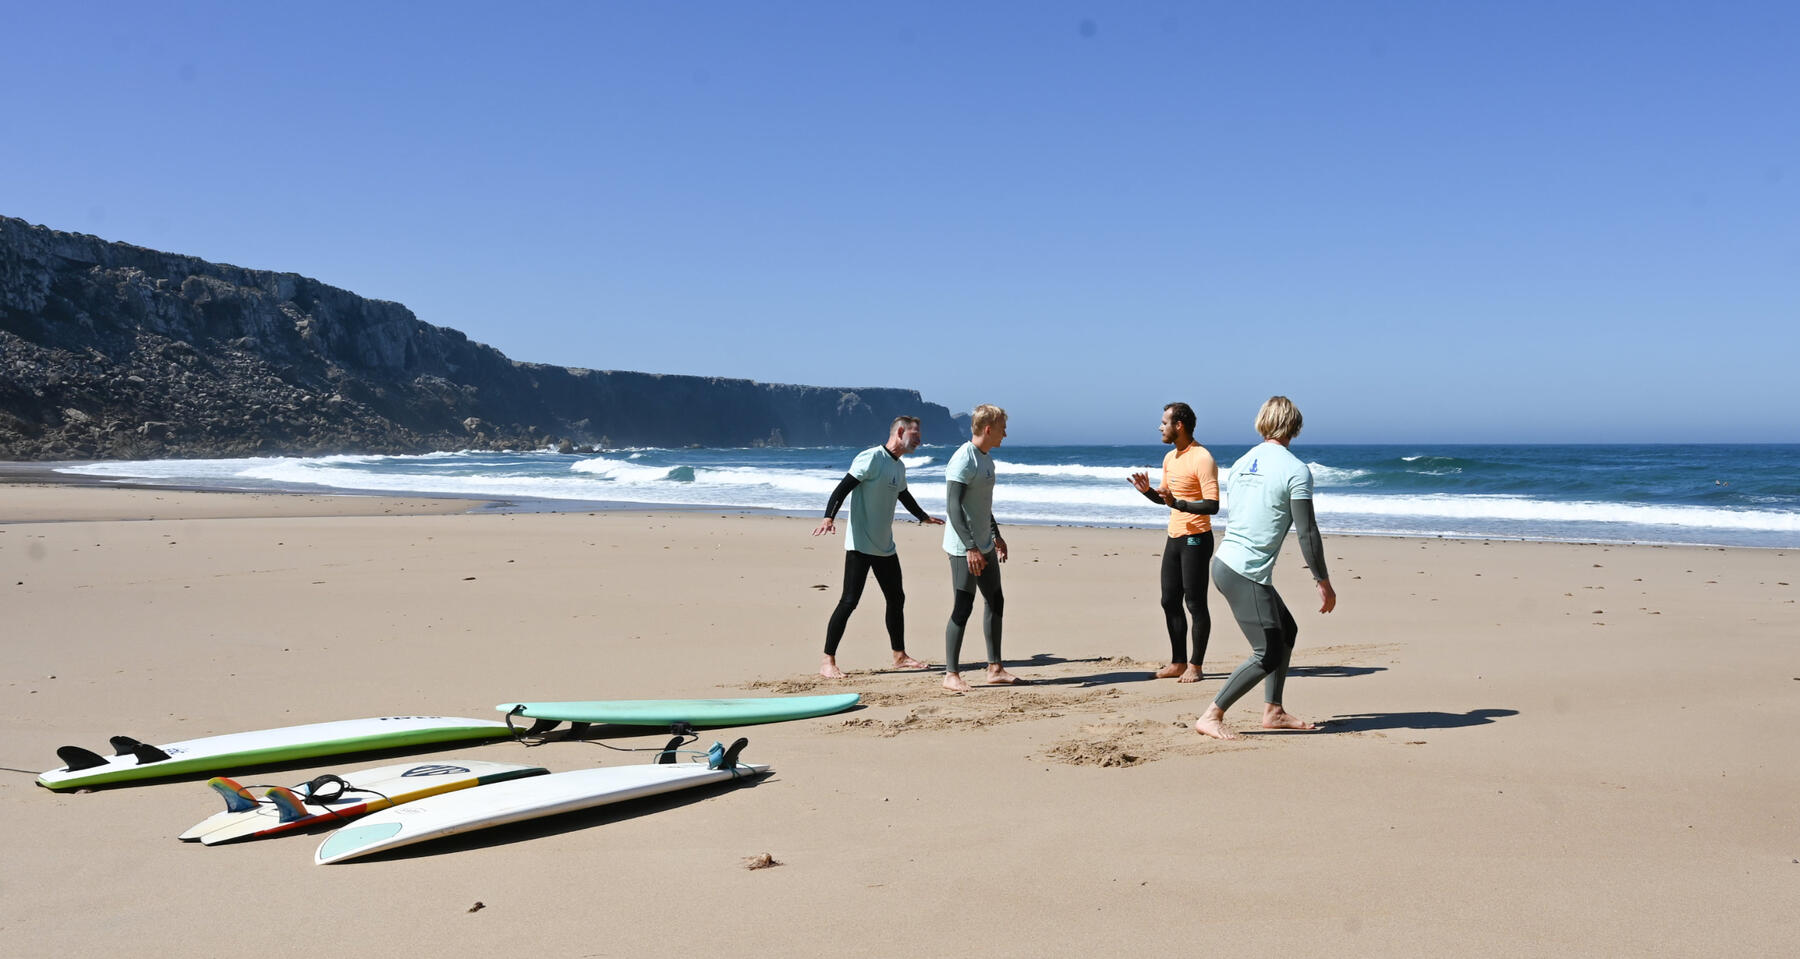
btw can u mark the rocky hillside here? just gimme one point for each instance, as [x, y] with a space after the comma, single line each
[113, 351]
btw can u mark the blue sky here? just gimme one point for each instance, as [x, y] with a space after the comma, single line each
[1425, 222]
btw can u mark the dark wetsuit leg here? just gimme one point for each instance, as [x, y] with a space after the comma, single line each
[1268, 626]
[856, 576]
[856, 573]
[1186, 560]
[964, 586]
[887, 576]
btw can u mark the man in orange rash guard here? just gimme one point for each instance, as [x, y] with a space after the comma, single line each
[1190, 488]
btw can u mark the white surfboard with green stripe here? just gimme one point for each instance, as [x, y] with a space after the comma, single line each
[132, 760]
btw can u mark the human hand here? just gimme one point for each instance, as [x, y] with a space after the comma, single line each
[1140, 480]
[977, 562]
[1327, 596]
[1000, 548]
[826, 525]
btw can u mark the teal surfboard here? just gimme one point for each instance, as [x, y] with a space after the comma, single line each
[694, 712]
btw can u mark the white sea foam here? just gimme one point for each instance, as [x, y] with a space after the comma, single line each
[1332, 476]
[1073, 470]
[1453, 506]
[1057, 494]
[620, 471]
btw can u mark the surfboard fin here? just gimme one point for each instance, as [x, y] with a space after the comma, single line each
[237, 798]
[123, 745]
[291, 806]
[147, 754]
[667, 755]
[77, 758]
[720, 758]
[538, 726]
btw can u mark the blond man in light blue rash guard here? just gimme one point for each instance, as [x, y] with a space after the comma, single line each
[976, 549]
[1270, 491]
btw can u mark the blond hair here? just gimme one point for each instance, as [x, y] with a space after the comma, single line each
[985, 416]
[1279, 419]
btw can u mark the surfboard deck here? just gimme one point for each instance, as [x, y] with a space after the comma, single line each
[260, 747]
[365, 791]
[454, 813]
[694, 712]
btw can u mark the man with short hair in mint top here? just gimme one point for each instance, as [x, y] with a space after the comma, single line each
[1270, 491]
[975, 546]
[876, 481]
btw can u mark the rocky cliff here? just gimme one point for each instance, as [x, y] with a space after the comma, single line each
[114, 351]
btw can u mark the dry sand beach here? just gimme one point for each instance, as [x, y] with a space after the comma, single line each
[1532, 749]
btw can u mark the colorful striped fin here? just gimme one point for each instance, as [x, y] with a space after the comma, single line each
[293, 809]
[237, 798]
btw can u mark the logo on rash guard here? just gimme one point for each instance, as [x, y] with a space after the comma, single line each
[1253, 465]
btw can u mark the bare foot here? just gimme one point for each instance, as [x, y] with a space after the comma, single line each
[998, 676]
[1190, 675]
[1170, 671]
[903, 661]
[954, 683]
[1212, 723]
[1274, 717]
[829, 668]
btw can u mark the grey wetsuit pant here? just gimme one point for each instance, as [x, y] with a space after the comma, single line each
[962, 605]
[1270, 628]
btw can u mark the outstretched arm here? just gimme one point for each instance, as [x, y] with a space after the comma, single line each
[836, 502]
[1199, 507]
[912, 506]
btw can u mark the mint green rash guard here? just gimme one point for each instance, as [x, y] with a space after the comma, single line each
[1269, 492]
[971, 512]
[881, 478]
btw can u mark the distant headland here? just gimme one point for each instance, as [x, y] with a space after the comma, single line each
[113, 351]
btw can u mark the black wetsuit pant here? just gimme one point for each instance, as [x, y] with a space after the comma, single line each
[1185, 562]
[963, 583]
[856, 574]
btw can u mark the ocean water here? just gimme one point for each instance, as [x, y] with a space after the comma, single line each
[1725, 495]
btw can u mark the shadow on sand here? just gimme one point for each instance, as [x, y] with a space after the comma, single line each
[1366, 722]
[1333, 672]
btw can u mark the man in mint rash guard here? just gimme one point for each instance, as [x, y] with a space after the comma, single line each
[1271, 490]
[975, 546]
[1190, 488]
[877, 479]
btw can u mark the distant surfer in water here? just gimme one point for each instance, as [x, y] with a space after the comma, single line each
[1190, 488]
[876, 481]
[1271, 490]
[975, 546]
